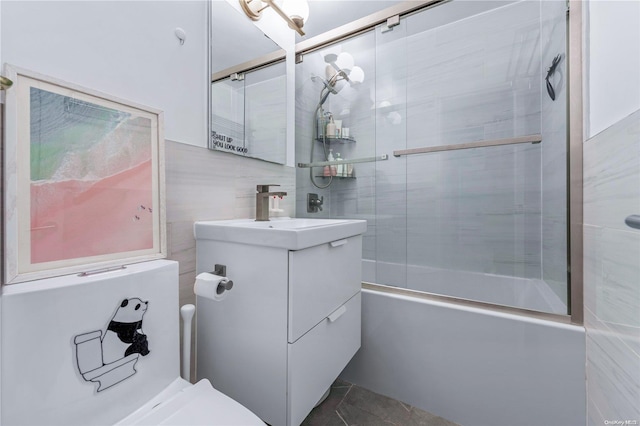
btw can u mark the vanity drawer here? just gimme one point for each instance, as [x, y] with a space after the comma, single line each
[321, 279]
[319, 356]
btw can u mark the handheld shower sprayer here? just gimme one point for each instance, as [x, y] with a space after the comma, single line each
[331, 85]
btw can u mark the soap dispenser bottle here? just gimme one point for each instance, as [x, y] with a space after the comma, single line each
[332, 169]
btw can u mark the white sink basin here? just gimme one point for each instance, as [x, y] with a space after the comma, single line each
[288, 233]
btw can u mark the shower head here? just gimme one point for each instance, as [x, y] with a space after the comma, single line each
[332, 85]
[334, 77]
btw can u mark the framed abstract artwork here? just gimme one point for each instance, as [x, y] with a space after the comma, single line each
[83, 179]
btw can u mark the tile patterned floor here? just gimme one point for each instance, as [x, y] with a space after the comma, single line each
[351, 405]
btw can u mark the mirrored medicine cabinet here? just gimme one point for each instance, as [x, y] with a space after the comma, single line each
[248, 113]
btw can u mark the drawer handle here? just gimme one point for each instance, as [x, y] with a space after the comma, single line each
[338, 243]
[337, 313]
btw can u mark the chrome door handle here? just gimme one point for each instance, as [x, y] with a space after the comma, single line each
[633, 221]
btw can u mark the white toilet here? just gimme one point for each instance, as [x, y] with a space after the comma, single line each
[103, 349]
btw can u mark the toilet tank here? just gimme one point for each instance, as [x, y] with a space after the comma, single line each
[75, 353]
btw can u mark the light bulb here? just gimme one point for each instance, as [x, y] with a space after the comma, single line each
[330, 54]
[345, 61]
[394, 117]
[356, 75]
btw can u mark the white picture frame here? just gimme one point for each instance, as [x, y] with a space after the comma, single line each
[84, 184]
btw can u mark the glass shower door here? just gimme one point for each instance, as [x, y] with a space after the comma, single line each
[487, 223]
[391, 134]
[478, 220]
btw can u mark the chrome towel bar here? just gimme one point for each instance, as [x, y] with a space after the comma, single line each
[337, 163]
[534, 139]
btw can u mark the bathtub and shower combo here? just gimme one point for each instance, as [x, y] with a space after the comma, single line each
[452, 129]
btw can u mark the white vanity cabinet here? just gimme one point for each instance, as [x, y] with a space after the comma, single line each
[286, 329]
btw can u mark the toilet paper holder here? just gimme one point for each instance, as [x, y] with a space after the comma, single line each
[225, 284]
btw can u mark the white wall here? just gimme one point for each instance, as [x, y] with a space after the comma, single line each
[126, 49]
[611, 193]
[612, 47]
[611, 271]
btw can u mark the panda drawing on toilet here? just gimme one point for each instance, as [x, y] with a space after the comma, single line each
[118, 330]
[124, 334]
[113, 359]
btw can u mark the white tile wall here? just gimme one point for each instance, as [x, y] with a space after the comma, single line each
[612, 272]
[209, 185]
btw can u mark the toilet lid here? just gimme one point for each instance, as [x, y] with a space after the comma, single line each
[200, 404]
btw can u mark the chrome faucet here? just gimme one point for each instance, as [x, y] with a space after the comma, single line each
[262, 201]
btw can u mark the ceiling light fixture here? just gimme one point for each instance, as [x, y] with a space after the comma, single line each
[294, 12]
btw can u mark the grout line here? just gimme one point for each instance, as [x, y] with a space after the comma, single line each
[370, 411]
[345, 395]
[341, 401]
[347, 385]
[606, 329]
[343, 420]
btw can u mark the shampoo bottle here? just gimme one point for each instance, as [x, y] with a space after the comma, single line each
[339, 167]
[350, 171]
[326, 172]
[331, 128]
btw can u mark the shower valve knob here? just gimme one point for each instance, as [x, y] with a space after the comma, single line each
[314, 203]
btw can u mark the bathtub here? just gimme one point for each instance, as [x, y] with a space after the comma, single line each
[532, 294]
[473, 366]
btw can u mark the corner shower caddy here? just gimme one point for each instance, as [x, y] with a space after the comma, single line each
[320, 124]
[340, 140]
